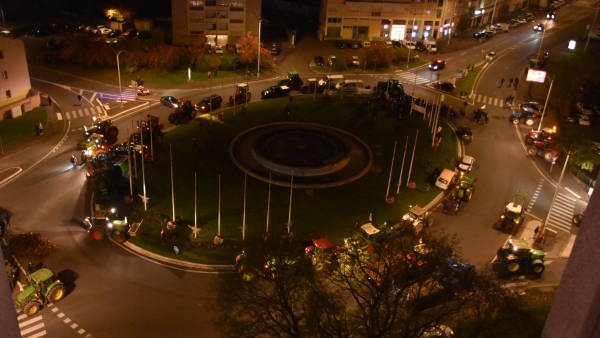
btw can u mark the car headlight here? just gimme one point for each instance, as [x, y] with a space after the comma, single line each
[110, 225]
[502, 216]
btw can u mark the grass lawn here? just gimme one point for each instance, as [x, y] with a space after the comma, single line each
[326, 212]
[466, 83]
[14, 129]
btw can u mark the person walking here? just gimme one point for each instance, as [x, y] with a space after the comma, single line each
[79, 98]
[37, 130]
[49, 101]
[501, 82]
[30, 268]
[209, 74]
[287, 110]
[516, 82]
[41, 128]
[215, 73]
[510, 81]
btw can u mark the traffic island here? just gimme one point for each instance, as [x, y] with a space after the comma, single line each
[232, 205]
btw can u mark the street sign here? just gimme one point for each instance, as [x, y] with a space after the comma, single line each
[458, 74]
[534, 75]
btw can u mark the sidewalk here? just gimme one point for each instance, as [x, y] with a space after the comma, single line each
[556, 245]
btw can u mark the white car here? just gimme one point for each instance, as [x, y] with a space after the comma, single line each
[466, 163]
[355, 61]
[491, 56]
[584, 120]
[219, 50]
[513, 23]
[522, 21]
[104, 31]
[96, 29]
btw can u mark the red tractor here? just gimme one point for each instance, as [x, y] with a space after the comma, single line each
[184, 113]
[543, 148]
[541, 135]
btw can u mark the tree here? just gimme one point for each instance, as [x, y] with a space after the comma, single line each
[164, 56]
[378, 55]
[275, 301]
[463, 23]
[248, 44]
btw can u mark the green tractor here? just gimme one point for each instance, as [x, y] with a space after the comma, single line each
[514, 213]
[465, 185]
[292, 80]
[417, 217]
[394, 87]
[104, 223]
[517, 256]
[43, 288]
[101, 125]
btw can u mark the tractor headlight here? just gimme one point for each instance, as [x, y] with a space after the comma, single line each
[501, 216]
[110, 225]
[517, 222]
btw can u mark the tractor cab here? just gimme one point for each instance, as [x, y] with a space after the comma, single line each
[417, 217]
[96, 147]
[241, 95]
[310, 86]
[101, 125]
[514, 212]
[292, 80]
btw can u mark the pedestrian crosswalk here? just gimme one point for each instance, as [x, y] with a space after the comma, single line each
[31, 327]
[488, 100]
[96, 110]
[413, 77]
[585, 3]
[561, 215]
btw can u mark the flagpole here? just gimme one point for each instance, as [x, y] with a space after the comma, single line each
[219, 211]
[244, 217]
[387, 192]
[412, 159]
[129, 164]
[289, 225]
[269, 203]
[134, 157]
[145, 199]
[402, 168]
[195, 205]
[172, 187]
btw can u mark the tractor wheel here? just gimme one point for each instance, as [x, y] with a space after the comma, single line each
[513, 266]
[319, 266]
[576, 220]
[460, 194]
[429, 221]
[419, 227]
[57, 293]
[120, 237]
[468, 196]
[248, 275]
[248, 96]
[531, 151]
[31, 308]
[529, 122]
[538, 267]
[514, 121]
[528, 140]
[97, 234]
[194, 113]
[548, 156]
[112, 132]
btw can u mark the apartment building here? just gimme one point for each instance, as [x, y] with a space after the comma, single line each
[404, 19]
[223, 22]
[16, 96]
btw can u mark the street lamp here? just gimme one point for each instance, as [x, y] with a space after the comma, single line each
[494, 12]
[411, 33]
[545, 103]
[259, 28]
[119, 72]
[586, 43]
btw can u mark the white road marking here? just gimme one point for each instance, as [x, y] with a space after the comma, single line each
[60, 315]
[39, 334]
[31, 329]
[59, 116]
[67, 321]
[31, 321]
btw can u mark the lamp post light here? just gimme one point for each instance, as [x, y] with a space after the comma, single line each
[411, 33]
[259, 29]
[119, 73]
[546, 104]
[586, 43]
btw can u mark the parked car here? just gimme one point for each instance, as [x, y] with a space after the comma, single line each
[209, 103]
[104, 31]
[522, 20]
[584, 108]
[491, 56]
[479, 35]
[355, 61]
[445, 86]
[529, 16]
[275, 50]
[420, 46]
[170, 101]
[513, 23]
[319, 61]
[275, 91]
[437, 65]
[130, 33]
[219, 50]
[534, 107]
[353, 45]
[340, 44]
[396, 44]
[330, 60]
[144, 35]
[115, 33]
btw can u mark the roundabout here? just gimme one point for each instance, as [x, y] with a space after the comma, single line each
[317, 156]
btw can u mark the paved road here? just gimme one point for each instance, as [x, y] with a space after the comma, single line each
[113, 291]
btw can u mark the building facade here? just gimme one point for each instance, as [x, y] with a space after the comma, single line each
[223, 22]
[406, 19]
[16, 96]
